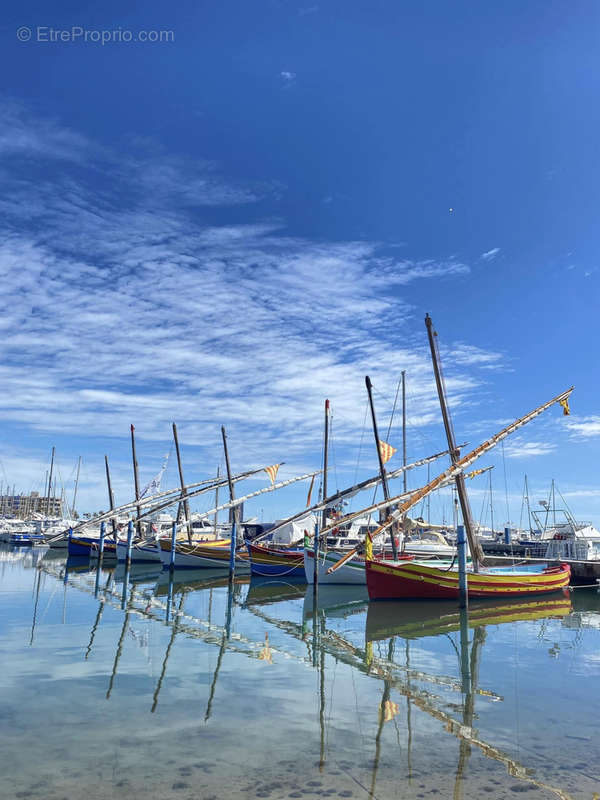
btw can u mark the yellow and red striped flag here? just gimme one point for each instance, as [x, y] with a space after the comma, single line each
[388, 710]
[386, 450]
[272, 472]
[565, 406]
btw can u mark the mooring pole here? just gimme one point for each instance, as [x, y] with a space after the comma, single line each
[461, 544]
[382, 472]
[136, 481]
[101, 548]
[235, 511]
[173, 543]
[186, 504]
[129, 541]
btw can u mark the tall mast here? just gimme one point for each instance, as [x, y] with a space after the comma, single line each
[49, 484]
[325, 459]
[528, 505]
[382, 472]
[474, 546]
[76, 485]
[404, 475]
[235, 516]
[186, 504]
[136, 480]
[111, 498]
[217, 501]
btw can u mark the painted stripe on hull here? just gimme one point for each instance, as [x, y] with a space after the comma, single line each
[201, 557]
[277, 563]
[391, 581]
[89, 546]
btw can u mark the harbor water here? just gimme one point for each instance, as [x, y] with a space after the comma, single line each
[137, 685]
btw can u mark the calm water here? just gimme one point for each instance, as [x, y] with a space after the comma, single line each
[141, 689]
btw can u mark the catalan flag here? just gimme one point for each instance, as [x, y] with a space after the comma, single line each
[272, 472]
[388, 710]
[386, 450]
[266, 654]
[565, 406]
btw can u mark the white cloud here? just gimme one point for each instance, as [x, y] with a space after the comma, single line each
[583, 427]
[288, 77]
[490, 255]
[518, 448]
[123, 305]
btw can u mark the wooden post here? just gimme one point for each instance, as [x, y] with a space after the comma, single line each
[102, 535]
[386, 492]
[136, 480]
[235, 511]
[129, 541]
[173, 545]
[474, 546]
[186, 505]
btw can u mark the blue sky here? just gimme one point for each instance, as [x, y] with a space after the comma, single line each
[231, 226]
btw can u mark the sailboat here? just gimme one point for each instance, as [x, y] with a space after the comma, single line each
[399, 580]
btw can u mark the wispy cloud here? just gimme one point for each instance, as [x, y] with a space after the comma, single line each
[122, 304]
[583, 427]
[490, 255]
[519, 448]
[287, 77]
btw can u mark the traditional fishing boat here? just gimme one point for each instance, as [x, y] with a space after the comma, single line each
[79, 545]
[399, 580]
[392, 581]
[208, 555]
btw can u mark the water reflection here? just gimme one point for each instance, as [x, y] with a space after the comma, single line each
[397, 665]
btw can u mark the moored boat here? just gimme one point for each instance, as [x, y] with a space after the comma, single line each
[394, 581]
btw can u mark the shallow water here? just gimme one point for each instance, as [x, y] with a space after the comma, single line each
[138, 689]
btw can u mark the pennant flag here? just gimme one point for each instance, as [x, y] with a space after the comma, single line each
[386, 450]
[272, 472]
[474, 473]
[389, 709]
[310, 488]
[565, 406]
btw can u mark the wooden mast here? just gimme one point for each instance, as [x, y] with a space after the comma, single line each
[474, 545]
[111, 499]
[404, 475]
[49, 484]
[216, 523]
[386, 491]
[235, 520]
[136, 481]
[76, 485]
[186, 504]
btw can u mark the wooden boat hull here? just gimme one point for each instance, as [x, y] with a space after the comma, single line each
[140, 553]
[90, 546]
[202, 556]
[353, 572]
[272, 562]
[414, 580]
